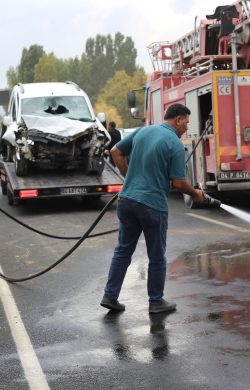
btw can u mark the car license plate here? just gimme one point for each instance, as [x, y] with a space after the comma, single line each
[234, 175]
[73, 190]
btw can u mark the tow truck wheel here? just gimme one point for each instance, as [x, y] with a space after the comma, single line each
[21, 166]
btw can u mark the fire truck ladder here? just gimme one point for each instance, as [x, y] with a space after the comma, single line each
[190, 44]
[165, 55]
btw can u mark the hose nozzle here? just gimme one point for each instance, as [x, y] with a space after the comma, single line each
[211, 201]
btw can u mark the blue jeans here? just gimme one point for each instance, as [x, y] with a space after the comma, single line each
[134, 218]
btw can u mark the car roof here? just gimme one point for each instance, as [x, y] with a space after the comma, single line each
[49, 89]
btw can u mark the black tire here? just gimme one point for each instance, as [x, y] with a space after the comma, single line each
[10, 197]
[10, 153]
[21, 166]
[4, 187]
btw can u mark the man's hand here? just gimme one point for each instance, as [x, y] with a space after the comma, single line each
[184, 187]
[198, 196]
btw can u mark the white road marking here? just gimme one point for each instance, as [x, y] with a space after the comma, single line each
[227, 225]
[32, 369]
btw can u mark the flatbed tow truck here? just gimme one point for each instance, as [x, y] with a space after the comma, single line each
[51, 184]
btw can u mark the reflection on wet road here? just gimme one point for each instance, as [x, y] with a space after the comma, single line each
[224, 272]
[122, 348]
[220, 262]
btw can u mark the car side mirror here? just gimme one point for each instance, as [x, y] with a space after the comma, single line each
[6, 120]
[102, 117]
[131, 99]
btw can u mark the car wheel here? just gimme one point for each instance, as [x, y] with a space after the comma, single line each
[4, 187]
[10, 197]
[8, 152]
[21, 166]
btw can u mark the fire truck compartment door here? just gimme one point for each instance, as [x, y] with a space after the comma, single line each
[156, 107]
[191, 101]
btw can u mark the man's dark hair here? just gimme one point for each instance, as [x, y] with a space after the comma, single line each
[112, 124]
[176, 110]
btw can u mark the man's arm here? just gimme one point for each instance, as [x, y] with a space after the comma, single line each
[120, 160]
[184, 187]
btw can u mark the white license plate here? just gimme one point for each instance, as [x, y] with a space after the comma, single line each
[234, 175]
[73, 190]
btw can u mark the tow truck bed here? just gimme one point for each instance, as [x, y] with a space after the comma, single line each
[45, 184]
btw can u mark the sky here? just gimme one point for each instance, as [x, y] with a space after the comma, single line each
[63, 26]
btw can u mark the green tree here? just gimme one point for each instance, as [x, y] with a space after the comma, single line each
[125, 54]
[30, 57]
[24, 72]
[12, 76]
[50, 68]
[99, 54]
[78, 71]
[110, 112]
[107, 55]
[115, 91]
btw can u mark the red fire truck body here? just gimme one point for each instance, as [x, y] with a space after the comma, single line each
[207, 70]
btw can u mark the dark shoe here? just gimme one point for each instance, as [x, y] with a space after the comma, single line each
[162, 307]
[112, 304]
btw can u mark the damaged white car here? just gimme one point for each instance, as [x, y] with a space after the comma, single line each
[53, 126]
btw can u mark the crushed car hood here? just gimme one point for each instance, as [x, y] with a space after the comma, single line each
[58, 126]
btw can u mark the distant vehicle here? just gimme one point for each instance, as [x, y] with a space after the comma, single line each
[53, 126]
[125, 132]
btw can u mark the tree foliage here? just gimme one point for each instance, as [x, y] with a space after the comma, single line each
[110, 112]
[12, 76]
[105, 56]
[24, 72]
[115, 91]
[50, 68]
[30, 57]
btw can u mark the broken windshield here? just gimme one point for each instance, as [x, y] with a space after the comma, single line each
[71, 107]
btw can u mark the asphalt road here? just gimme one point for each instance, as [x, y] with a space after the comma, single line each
[55, 335]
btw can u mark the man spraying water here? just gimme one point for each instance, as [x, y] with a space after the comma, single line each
[156, 158]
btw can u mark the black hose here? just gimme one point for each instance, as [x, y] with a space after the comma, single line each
[68, 253]
[199, 140]
[51, 235]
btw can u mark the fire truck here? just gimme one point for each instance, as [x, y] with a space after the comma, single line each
[208, 70]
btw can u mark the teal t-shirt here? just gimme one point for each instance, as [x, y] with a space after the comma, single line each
[156, 155]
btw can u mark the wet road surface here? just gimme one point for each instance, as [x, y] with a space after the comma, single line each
[204, 345]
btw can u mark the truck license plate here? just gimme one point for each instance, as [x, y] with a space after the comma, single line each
[73, 190]
[234, 175]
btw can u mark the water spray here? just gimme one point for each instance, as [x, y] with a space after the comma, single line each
[232, 210]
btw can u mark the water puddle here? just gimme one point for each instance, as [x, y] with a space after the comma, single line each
[221, 262]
